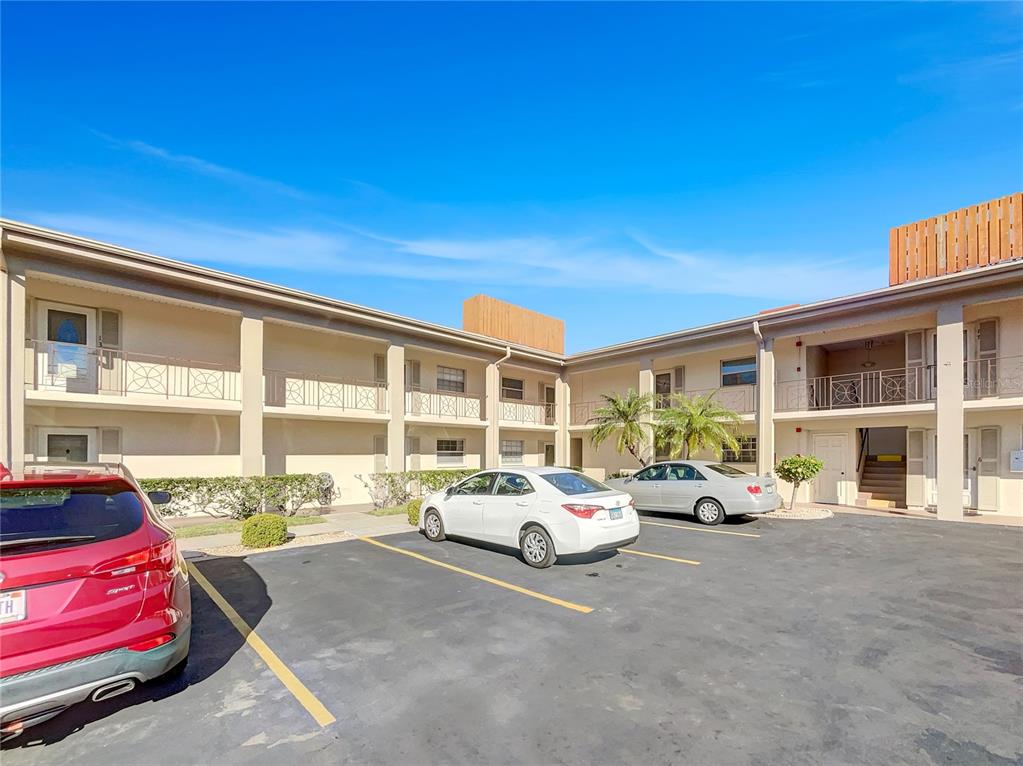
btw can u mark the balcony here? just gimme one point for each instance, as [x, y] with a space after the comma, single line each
[72, 371]
[443, 405]
[741, 399]
[534, 413]
[580, 413]
[999, 377]
[856, 390]
[302, 392]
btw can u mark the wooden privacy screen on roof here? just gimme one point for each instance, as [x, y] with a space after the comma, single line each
[978, 235]
[497, 319]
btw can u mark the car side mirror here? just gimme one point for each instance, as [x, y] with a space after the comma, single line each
[449, 491]
[159, 497]
[628, 479]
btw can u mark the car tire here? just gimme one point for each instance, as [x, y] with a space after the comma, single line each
[177, 671]
[433, 526]
[536, 547]
[709, 512]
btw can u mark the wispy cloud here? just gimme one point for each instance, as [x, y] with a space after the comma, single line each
[967, 70]
[631, 264]
[203, 167]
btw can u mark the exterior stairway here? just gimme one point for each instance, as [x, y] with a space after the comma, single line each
[883, 483]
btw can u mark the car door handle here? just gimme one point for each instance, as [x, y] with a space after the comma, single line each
[522, 502]
[477, 502]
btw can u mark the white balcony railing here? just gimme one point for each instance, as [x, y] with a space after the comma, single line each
[580, 413]
[295, 389]
[870, 388]
[1002, 376]
[528, 412]
[741, 399]
[443, 404]
[76, 369]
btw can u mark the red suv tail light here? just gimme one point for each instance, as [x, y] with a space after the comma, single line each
[582, 511]
[156, 558]
[151, 643]
[754, 489]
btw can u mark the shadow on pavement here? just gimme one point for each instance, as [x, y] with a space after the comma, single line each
[571, 560]
[214, 641]
[685, 518]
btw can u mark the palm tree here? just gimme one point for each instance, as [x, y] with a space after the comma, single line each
[696, 423]
[625, 417]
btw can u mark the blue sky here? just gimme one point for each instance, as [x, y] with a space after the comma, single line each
[632, 169]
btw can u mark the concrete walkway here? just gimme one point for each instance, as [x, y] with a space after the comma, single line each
[353, 522]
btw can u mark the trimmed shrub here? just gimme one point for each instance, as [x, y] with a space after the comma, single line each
[798, 469]
[238, 496]
[398, 487]
[413, 511]
[264, 530]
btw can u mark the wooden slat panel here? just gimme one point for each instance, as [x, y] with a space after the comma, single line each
[900, 256]
[1016, 225]
[974, 235]
[1003, 228]
[498, 319]
[982, 234]
[930, 261]
[893, 260]
[940, 251]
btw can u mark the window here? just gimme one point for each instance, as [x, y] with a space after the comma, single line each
[747, 451]
[450, 451]
[726, 470]
[511, 451]
[684, 473]
[571, 483]
[512, 388]
[379, 368]
[512, 484]
[653, 473]
[662, 390]
[739, 372]
[450, 379]
[475, 485]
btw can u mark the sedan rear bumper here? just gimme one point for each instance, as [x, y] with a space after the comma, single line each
[753, 504]
[613, 546]
[37, 695]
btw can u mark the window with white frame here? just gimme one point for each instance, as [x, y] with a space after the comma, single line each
[450, 451]
[451, 379]
[512, 388]
[511, 451]
[739, 372]
[747, 451]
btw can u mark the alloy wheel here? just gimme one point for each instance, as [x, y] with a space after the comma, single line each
[534, 547]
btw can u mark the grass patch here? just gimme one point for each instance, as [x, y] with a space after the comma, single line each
[393, 510]
[232, 525]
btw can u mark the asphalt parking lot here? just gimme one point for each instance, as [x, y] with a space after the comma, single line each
[848, 641]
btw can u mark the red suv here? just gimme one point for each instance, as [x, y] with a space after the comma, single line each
[93, 590]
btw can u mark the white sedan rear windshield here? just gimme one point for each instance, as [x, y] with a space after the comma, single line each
[727, 470]
[574, 483]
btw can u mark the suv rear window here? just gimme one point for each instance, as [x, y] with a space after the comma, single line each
[574, 483]
[43, 518]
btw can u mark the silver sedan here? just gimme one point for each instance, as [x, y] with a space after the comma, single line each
[709, 491]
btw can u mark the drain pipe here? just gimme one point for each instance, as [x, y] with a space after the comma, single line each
[756, 331]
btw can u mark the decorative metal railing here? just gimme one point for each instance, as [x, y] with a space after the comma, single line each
[1001, 376]
[299, 389]
[445, 404]
[741, 399]
[870, 388]
[77, 369]
[531, 412]
[580, 413]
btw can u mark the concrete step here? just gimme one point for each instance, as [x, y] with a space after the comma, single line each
[886, 468]
[873, 503]
[883, 483]
[881, 497]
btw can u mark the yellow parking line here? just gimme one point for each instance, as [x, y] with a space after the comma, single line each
[699, 529]
[658, 556]
[484, 578]
[320, 714]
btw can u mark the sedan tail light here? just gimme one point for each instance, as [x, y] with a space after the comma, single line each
[581, 510]
[156, 558]
[754, 489]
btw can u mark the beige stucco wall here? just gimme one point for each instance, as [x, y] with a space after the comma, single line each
[703, 370]
[475, 369]
[428, 436]
[149, 325]
[532, 444]
[153, 444]
[589, 386]
[317, 352]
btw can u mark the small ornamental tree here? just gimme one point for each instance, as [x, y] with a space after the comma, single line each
[797, 469]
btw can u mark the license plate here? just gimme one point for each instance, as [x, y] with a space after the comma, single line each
[770, 490]
[616, 513]
[12, 606]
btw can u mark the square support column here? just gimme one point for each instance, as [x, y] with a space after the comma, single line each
[949, 376]
[251, 419]
[396, 408]
[765, 407]
[646, 388]
[492, 406]
[562, 406]
[12, 313]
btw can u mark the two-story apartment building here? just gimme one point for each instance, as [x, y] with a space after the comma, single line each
[912, 394]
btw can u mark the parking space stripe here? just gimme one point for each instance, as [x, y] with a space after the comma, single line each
[484, 578]
[306, 698]
[699, 529]
[658, 556]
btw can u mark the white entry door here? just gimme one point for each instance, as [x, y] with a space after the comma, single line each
[66, 354]
[832, 449]
[970, 464]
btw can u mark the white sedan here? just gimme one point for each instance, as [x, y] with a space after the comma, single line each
[544, 512]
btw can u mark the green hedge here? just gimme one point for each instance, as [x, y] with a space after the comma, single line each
[264, 530]
[237, 496]
[398, 487]
[413, 511]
